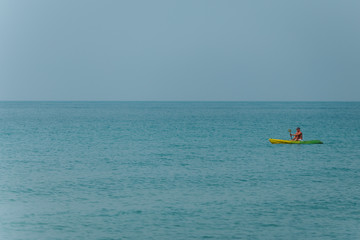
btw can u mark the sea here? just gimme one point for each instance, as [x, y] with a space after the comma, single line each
[178, 170]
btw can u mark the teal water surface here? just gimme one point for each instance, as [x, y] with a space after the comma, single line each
[178, 170]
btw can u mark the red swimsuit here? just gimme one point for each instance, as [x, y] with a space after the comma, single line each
[298, 136]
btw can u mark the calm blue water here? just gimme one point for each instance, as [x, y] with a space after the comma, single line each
[178, 170]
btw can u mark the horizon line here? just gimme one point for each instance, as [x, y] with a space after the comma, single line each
[179, 100]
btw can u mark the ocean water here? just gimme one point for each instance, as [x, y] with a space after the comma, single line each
[178, 170]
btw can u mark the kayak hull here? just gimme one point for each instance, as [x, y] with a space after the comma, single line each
[279, 141]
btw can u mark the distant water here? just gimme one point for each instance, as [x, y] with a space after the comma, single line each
[178, 170]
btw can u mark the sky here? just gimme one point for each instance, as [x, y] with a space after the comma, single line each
[185, 50]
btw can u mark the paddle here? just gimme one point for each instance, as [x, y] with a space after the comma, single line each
[289, 130]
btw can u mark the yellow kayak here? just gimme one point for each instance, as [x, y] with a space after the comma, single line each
[279, 141]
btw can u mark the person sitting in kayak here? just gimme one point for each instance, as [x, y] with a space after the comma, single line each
[298, 135]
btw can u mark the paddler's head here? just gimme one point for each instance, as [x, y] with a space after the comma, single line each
[298, 129]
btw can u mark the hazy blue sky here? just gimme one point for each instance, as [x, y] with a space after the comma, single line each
[180, 50]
